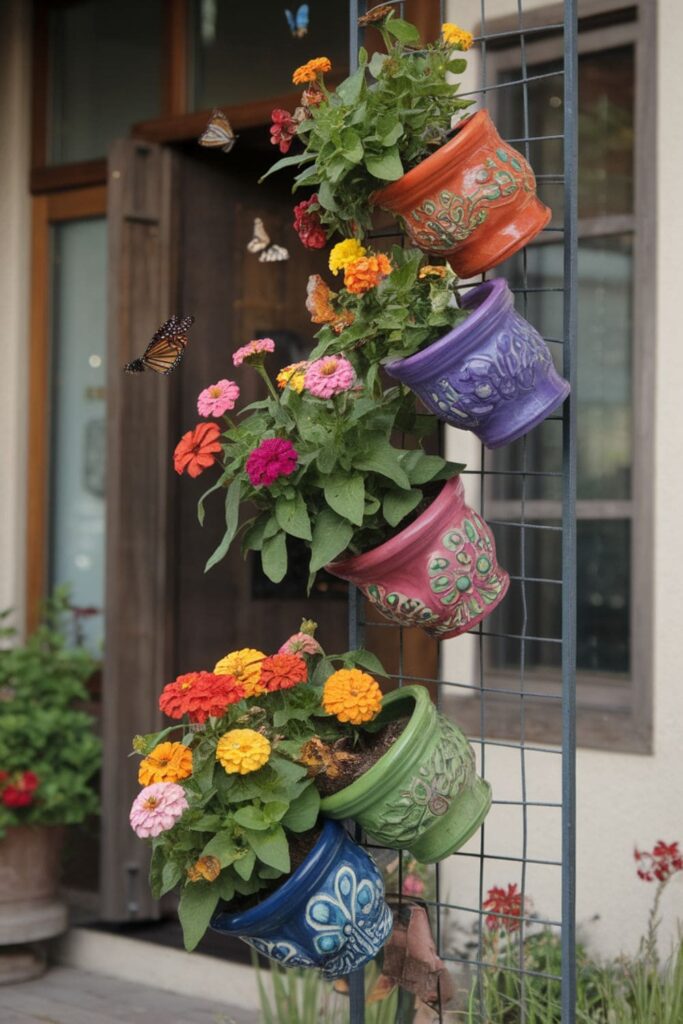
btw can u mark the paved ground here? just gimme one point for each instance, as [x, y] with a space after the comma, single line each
[68, 996]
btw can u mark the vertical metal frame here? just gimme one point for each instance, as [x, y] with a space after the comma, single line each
[567, 806]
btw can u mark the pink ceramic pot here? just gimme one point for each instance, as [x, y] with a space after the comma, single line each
[440, 573]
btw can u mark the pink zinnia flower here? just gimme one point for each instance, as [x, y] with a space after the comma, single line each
[218, 398]
[329, 376]
[156, 809]
[301, 643]
[273, 458]
[413, 885]
[307, 224]
[253, 351]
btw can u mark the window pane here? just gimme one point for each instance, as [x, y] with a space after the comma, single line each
[105, 61]
[78, 415]
[231, 40]
[606, 127]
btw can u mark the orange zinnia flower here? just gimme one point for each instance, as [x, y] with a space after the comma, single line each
[282, 671]
[309, 72]
[352, 696]
[197, 449]
[200, 694]
[168, 762]
[366, 272]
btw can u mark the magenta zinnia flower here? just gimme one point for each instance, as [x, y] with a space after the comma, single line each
[273, 458]
[329, 376]
[156, 809]
[253, 351]
[301, 643]
[218, 398]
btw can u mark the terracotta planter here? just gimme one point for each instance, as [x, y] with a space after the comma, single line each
[424, 794]
[440, 573]
[331, 913]
[492, 374]
[473, 201]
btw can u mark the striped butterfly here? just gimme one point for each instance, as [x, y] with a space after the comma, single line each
[261, 243]
[218, 133]
[166, 349]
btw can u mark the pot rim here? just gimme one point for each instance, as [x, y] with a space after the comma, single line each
[466, 135]
[281, 903]
[380, 778]
[396, 549]
[489, 302]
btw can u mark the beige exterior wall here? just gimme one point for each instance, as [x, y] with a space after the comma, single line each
[623, 800]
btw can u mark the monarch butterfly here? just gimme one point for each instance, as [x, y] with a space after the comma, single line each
[218, 133]
[298, 23]
[166, 348]
[262, 244]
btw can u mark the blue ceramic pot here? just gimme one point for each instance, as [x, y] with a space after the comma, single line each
[329, 914]
[492, 374]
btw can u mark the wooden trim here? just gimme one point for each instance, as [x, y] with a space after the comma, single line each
[176, 58]
[46, 210]
[68, 176]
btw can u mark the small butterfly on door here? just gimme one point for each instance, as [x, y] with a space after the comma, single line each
[298, 23]
[166, 349]
[218, 133]
[261, 243]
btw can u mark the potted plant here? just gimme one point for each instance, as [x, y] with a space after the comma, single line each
[232, 806]
[474, 362]
[385, 138]
[48, 755]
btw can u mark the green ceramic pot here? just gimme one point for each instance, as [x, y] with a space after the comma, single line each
[424, 794]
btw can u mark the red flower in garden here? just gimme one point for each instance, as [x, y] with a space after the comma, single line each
[307, 225]
[200, 694]
[197, 449]
[19, 791]
[505, 907]
[282, 671]
[283, 129]
[274, 457]
[664, 860]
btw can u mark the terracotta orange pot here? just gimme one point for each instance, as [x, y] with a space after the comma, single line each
[473, 201]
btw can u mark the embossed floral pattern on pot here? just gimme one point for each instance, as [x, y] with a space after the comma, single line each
[492, 374]
[473, 200]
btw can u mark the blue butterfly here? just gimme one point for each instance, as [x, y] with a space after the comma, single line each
[298, 24]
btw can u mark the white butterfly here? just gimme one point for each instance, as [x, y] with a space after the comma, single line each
[218, 133]
[261, 243]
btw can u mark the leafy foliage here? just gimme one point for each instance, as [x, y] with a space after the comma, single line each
[42, 727]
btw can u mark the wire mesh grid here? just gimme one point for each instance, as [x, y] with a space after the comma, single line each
[513, 757]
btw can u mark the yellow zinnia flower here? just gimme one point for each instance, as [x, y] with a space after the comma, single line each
[245, 666]
[431, 271]
[344, 253]
[292, 376]
[243, 751]
[168, 762]
[456, 37]
[207, 868]
[309, 72]
[352, 696]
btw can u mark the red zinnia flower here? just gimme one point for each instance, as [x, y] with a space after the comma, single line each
[506, 902]
[283, 129]
[664, 860]
[282, 671]
[200, 694]
[307, 225]
[19, 792]
[197, 449]
[274, 457]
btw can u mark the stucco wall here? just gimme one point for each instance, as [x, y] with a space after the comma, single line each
[623, 800]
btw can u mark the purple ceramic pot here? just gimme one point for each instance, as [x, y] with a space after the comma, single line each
[492, 374]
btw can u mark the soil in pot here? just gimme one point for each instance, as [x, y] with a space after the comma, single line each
[336, 767]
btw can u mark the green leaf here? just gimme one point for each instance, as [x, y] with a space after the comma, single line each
[232, 512]
[171, 874]
[287, 770]
[377, 62]
[197, 903]
[200, 504]
[350, 89]
[383, 459]
[386, 165]
[346, 495]
[367, 660]
[331, 536]
[274, 557]
[397, 505]
[402, 30]
[244, 865]
[287, 161]
[251, 817]
[351, 145]
[274, 810]
[271, 847]
[421, 467]
[326, 197]
[292, 516]
[223, 847]
[303, 812]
